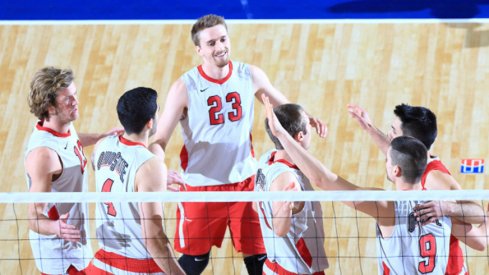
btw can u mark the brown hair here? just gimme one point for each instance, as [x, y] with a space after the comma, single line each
[44, 87]
[205, 22]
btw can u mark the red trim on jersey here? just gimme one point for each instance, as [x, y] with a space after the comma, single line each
[304, 251]
[217, 81]
[51, 131]
[286, 162]
[127, 264]
[386, 269]
[251, 145]
[276, 268]
[260, 204]
[129, 142]
[455, 263]
[432, 166]
[184, 158]
[53, 213]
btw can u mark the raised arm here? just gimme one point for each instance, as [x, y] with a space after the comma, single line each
[174, 111]
[263, 86]
[282, 211]
[42, 164]
[151, 177]
[361, 116]
[317, 173]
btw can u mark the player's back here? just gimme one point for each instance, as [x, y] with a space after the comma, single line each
[413, 248]
[302, 249]
[117, 161]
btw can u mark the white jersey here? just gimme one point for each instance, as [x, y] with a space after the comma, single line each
[217, 128]
[302, 250]
[413, 248]
[116, 162]
[52, 254]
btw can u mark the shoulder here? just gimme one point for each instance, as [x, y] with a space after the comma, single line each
[42, 159]
[440, 180]
[151, 175]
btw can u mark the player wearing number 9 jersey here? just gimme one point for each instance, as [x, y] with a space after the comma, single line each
[214, 104]
[405, 246]
[130, 234]
[412, 248]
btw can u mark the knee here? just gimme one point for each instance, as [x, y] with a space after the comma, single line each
[194, 265]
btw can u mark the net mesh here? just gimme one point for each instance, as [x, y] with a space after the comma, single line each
[350, 236]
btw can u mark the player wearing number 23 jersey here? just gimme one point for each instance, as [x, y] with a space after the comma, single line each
[414, 248]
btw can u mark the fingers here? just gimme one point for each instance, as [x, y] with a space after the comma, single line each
[321, 128]
[68, 232]
[175, 181]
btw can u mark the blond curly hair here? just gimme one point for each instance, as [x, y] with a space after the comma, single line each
[44, 88]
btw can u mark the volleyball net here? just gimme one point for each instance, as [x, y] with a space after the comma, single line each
[350, 240]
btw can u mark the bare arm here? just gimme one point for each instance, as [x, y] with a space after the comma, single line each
[175, 105]
[41, 165]
[263, 86]
[282, 211]
[91, 139]
[464, 211]
[318, 174]
[151, 177]
[361, 116]
[477, 237]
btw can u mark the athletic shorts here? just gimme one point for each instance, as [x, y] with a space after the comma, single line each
[203, 225]
[108, 263]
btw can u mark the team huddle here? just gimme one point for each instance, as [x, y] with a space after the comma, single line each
[214, 102]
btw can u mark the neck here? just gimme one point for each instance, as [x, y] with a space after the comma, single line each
[55, 125]
[281, 154]
[406, 186]
[140, 138]
[215, 71]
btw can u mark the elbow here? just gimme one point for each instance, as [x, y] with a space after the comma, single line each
[281, 232]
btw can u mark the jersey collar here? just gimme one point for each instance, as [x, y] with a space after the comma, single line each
[217, 81]
[40, 127]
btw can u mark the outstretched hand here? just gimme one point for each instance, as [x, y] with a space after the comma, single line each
[321, 128]
[117, 131]
[67, 231]
[360, 115]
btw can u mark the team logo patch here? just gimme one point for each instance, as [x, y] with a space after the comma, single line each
[472, 166]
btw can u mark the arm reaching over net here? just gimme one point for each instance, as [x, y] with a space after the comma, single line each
[363, 119]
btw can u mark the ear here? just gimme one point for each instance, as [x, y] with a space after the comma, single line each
[299, 136]
[198, 49]
[397, 171]
[51, 110]
[150, 123]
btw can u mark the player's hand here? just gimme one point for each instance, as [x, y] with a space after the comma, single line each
[360, 115]
[429, 212]
[67, 231]
[175, 181]
[117, 131]
[321, 128]
[275, 126]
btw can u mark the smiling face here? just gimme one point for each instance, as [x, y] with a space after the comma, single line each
[214, 46]
[66, 109]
